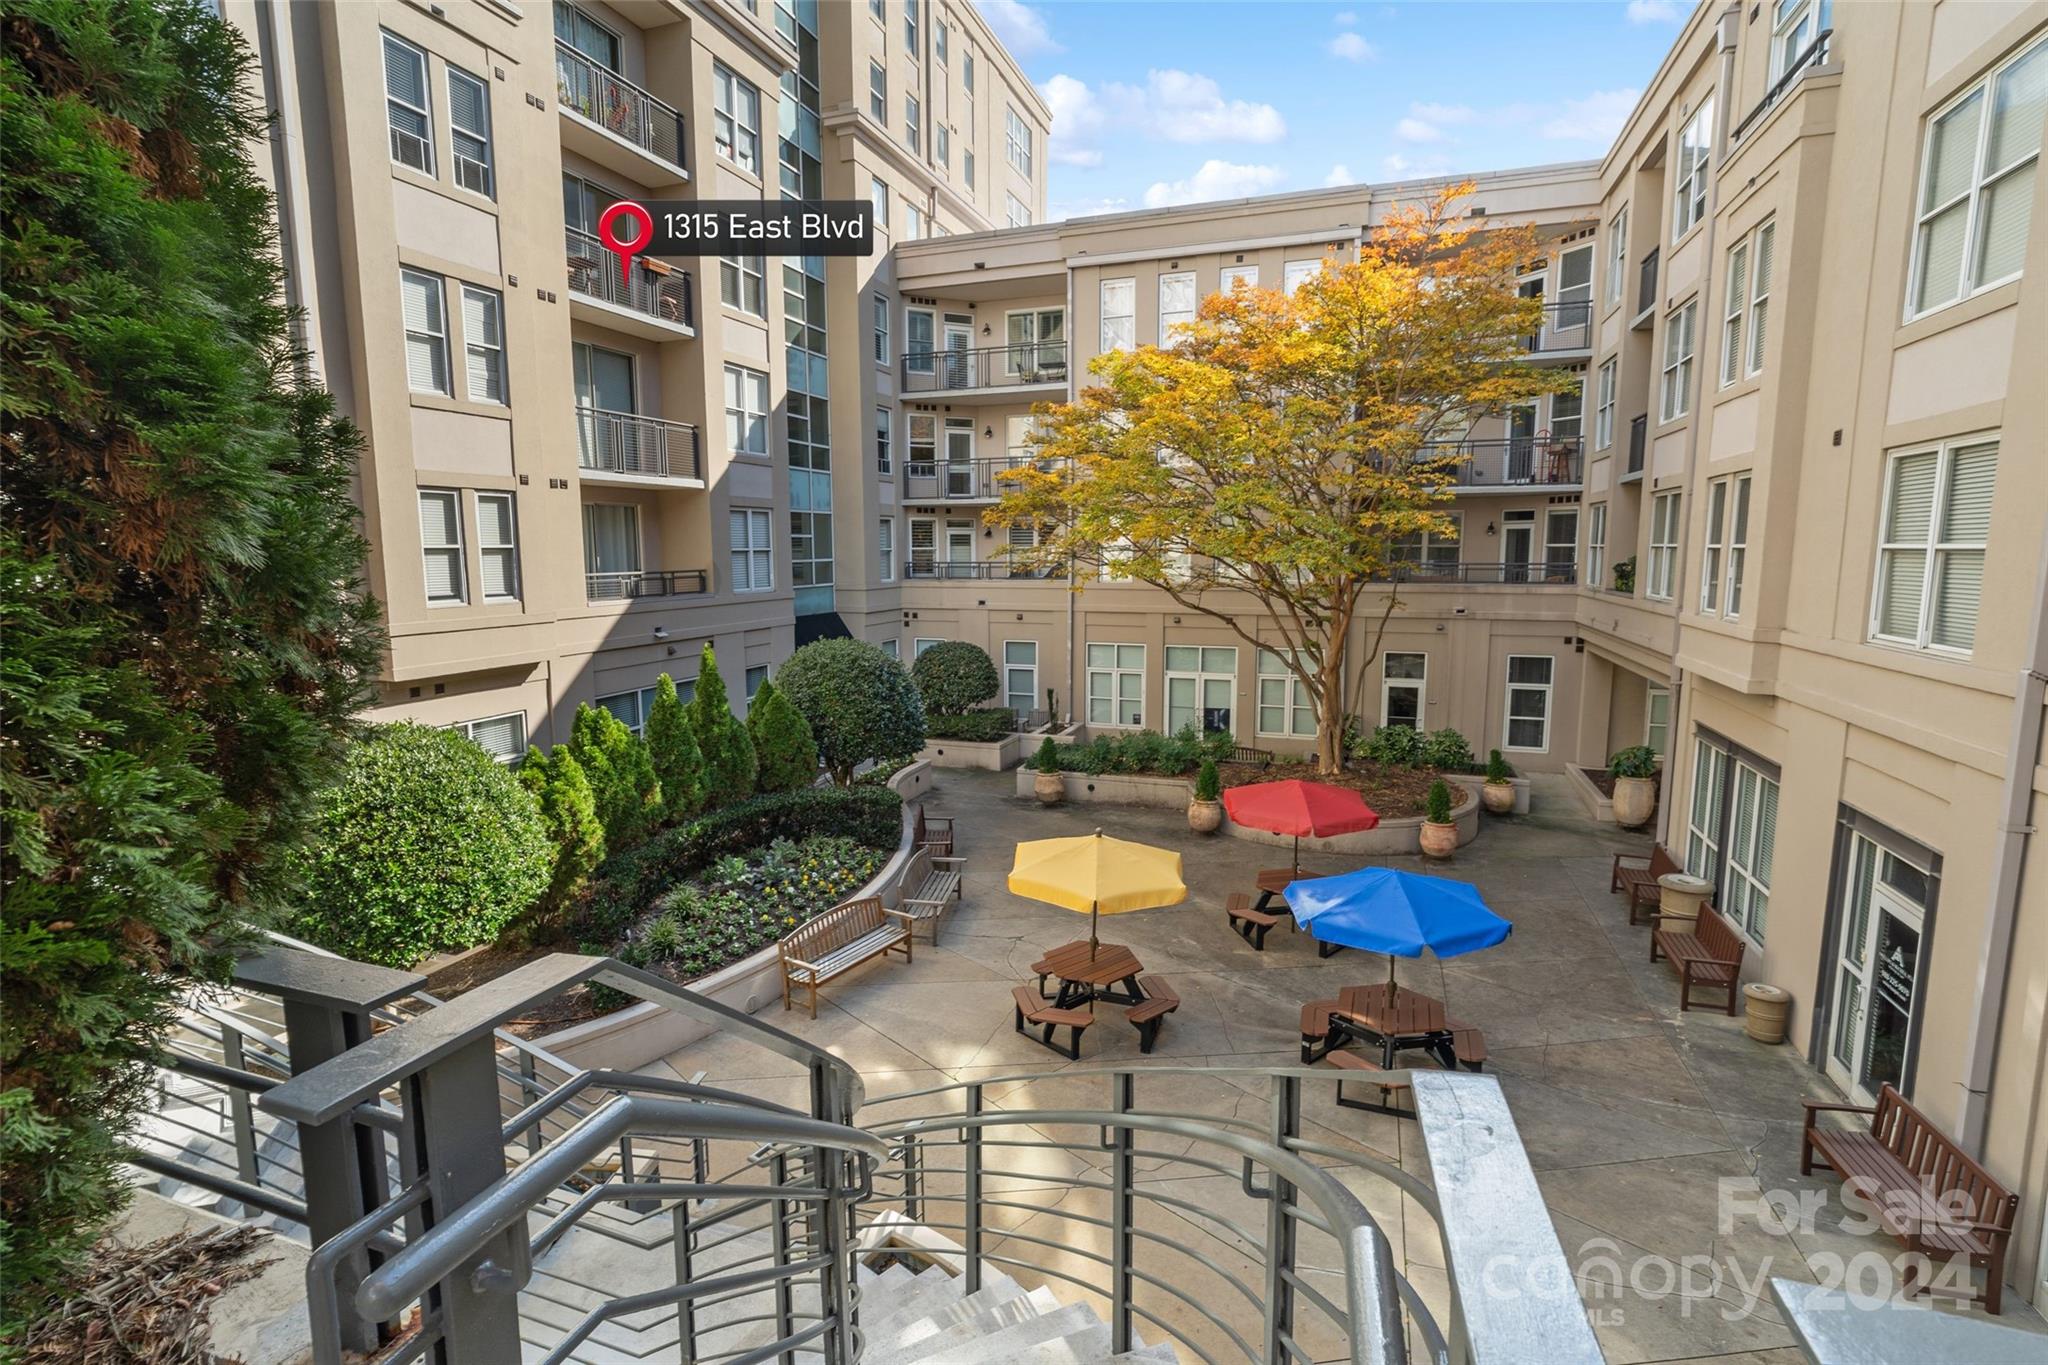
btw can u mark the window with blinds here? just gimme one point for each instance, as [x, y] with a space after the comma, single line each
[1617, 255]
[1528, 714]
[441, 544]
[1695, 147]
[1662, 579]
[753, 556]
[1116, 685]
[1760, 295]
[1930, 562]
[426, 331]
[885, 547]
[497, 547]
[483, 343]
[469, 131]
[1713, 547]
[1676, 395]
[1745, 894]
[1709, 804]
[502, 737]
[1119, 315]
[407, 105]
[1596, 545]
[1285, 706]
[611, 548]
[1734, 310]
[1176, 305]
[1746, 300]
[1977, 184]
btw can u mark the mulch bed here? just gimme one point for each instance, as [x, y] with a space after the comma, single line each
[148, 1304]
[473, 969]
[1393, 792]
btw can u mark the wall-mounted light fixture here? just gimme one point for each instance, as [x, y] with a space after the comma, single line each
[1489, 529]
[989, 431]
[661, 632]
[984, 329]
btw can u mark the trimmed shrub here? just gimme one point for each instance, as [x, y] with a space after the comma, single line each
[569, 810]
[982, 726]
[427, 844]
[1446, 749]
[621, 775]
[1637, 760]
[672, 745]
[954, 676]
[1394, 746]
[1208, 782]
[1437, 810]
[785, 754]
[1047, 759]
[859, 702]
[1497, 769]
[1144, 751]
[722, 739]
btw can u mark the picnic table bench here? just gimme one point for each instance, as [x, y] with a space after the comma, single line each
[1353, 1061]
[1036, 1010]
[1710, 955]
[1160, 1000]
[1927, 1192]
[837, 941]
[930, 885]
[1250, 925]
[1636, 877]
[1244, 754]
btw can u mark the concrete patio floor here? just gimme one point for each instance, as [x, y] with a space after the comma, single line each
[1654, 1134]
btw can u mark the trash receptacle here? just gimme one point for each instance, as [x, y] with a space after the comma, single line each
[1765, 1012]
[1679, 899]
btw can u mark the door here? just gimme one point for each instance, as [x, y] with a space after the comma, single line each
[611, 549]
[1532, 288]
[960, 549]
[1521, 461]
[604, 388]
[1877, 971]
[1560, 544]
[1200, 685]
[959, 362]
[959, 458]
[1517, 545]
[1402, 687]
[1020, 677]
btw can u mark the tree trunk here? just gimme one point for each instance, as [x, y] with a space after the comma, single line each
[1330, 714]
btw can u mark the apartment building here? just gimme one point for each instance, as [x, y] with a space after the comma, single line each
[577, 473]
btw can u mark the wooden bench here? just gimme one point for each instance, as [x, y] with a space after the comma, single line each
[1251, 925]
[1352, 1061]
[1160, 1000]
[1636, 877]
[930, 885]
[1927, 1192]
[934, 832]
[837, 941]
[1710, 955]
[1315, 1029]
[1036, 1010]
[1468, 1045]
[1260, 757]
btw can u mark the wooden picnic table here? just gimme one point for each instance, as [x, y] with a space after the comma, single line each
[1109, 973]
[1272, 882]
[1396, 1020]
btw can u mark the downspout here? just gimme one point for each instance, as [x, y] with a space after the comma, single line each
[1724, 85]
[1074, 676]
[275, 50]
[1994, 958]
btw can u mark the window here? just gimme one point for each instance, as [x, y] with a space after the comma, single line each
[878, 195]
[1404, 681]
[1721, 559]
[469, 130]
[913, 222]
[942, 145]
[1038, 341]
[497, 547]
[1596, 545]
[583, 33]
[878, 93]
[1568, 416]
[632, 708]
[1977, 184]
[924, 551]
[1294, 272]
[924, 444]
[1711, 549]
[1020, 675]
[913, 124]
[1176, 305]
[1617, 256]
[1662, 580]
[746, 411]
[1792, 32]
[1560, 542]
[743, 283]
[967, 165]
[1738, 548]
[1017, 142]
[892, 649]
[1676, 399]
[753, 557]
[1695, 147]
[1528, 722]
[1744, 894]
[441, 544]
[406, 105]
[885, 547]
[1657, 720]
[885, 429]
[1429, 552]
[426, 332]
[1016, 213]
[918, 343]
[1116, 685]
[735, 119]
[1930, 559]
[922, 643]
[910, 27]
[1285, 707]
[875, 9]
[1232, 275]
[1119, 315]
[1703, 822]
[1760, 295]
[967, 72]
[881, 306]
[502, 737]
[1603, 407]
[483, 343]
[1574, 289]
[1201, 685]
[611, 550]
[751, 681]
[940, 33]
[1746, 299]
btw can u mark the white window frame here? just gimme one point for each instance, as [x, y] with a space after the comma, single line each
[1596, 545]
[878, 195]
[453, 549]
[1201, 675]
[1603, 404]
[490, 349]
[913, 222]
[1694, 155]
[1017, 141]
[1936, 551]
[467, 729]
[1657, 720]
[435, 334]
[1734, 311]
[885, 435]
[1763, 255]
[1681, 337]
[1712, 546]
[1661, 580]
[919, 358]
[509, 550]
[1010, 693]
[1294, 273]
[1738, 548]
[1547, 690]
[878, 93]
[1706, 808]
[1572, 307]
[910, 28]
[942, 145]
[643, 703]
[393, 104]
[1617, 256]
[920, 643]
[741, 278]
[1173, 322]
[1105, 684]
[885, 545]
[1295, 703]
[1743, 893]
[967, 153]
[1227, 278]
[1390, 684]
[1016, 213]
[473, 173]
[881, 310]
[733, 136]
[745, 422]
[913, 123]
[1125, 337]
[751, 540]
[1786, 19]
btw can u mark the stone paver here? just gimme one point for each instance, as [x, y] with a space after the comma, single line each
[1654, 1134]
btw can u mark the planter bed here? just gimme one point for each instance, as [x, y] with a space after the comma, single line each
[990, 755]
[1595, 788]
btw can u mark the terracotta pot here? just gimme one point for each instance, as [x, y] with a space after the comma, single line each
[1205, 817]
[1498, 796]
[1050, 788]
[1635, 801]
[1439, 841]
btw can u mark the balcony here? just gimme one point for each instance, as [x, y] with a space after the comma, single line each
[977, 480]
[1815, 54]
[1537, 573]
[1038, 368]
[615, 122]
[921, 568]
[624, 447]
[650, 299]
[1646, 291]
[1638, 443]
[617, 587]
[1511, 461]
[1567, 330]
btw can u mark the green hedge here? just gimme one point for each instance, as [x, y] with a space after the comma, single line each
[970, 725]
[1144, 751]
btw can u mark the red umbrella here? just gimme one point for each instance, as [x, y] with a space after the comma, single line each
[1295, 807]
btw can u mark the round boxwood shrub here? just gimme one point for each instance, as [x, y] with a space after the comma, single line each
[859, 702]
[426, 844]
[954, 676]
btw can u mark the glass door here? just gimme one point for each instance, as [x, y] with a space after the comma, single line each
[1403, 680]
[959, 458]
[959, 361]
[611, 549]
[604, 388]
[1521, 461]
[960, 549]
[1877, 971]
[1560, 544]
[1517, 545]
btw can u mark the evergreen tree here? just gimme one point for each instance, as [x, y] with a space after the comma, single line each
[569, 809]
[722, 738]
[620, 773]
[787, 755]
[673, 744]
[181, 594]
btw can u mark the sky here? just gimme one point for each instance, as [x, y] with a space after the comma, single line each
[1160, 102]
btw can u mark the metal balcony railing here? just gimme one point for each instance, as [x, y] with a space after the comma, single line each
[1551, 573]
[990, 367]
[1638, 443]
[653, 288]
[919, 567]
[1815, 53]
[1509, 461]
[1567, 326]
[618, 106]
[1646, 284]
[613, 587]
[628, 443]
[962, 480]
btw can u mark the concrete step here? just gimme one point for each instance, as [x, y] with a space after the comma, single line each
[1074, 1325]
[987, 1310]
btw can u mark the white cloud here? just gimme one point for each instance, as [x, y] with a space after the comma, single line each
[1214, 180]
[1086, 208]
[1400, 167]
[1652, 12]
[1076, 116]
[1340, 174]
[1596, 118]
[1022, 28]
[1418, 130]
[1455, 114]
[1171, 106]
[1351, 48]
[1344, 19]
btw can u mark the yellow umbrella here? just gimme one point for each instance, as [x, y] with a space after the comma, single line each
[1097, 876]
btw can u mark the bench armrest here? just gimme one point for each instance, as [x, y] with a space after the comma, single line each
[954, 862]
[941, 822]
[799, 962]
[898, 914]
[1813, 1107]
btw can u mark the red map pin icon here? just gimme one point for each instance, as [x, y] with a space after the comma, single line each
[608, 230]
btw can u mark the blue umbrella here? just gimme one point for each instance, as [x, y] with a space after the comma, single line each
[1397, 913]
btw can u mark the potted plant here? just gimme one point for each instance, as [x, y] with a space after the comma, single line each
[1625, 575]
[1439, 831]
[1048, 786]
[1498, 793]
[1634, 771]
[1205, 811]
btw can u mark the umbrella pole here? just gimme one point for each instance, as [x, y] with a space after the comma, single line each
[1094, 920]
[1393, 988]
[1297, 856]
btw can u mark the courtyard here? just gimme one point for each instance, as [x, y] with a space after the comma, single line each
[1655, 1136]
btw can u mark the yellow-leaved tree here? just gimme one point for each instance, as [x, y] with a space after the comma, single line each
[1264, 467]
